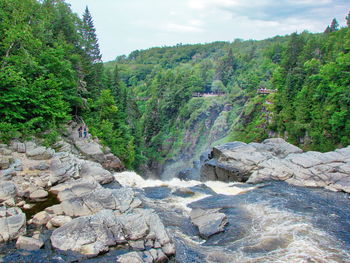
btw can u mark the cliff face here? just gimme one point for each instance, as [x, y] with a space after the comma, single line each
[206, 124]
[275, 159]
[60, 188]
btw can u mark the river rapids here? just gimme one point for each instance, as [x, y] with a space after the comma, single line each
[267, 223]
[272, 222]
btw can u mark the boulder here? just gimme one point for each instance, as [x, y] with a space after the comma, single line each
[28, 243]
[7, 190]
[63, 167]
[18, 147]
[132, 257]
[113, 163]
[74, 188]
[38, 195]
[275, 159]
[12, 223]
[5, 162]
[40, 153]
[97, 172]
[41, 218]
[92, 235]
[59, 221]
[122, 200]
[209, 222]
[90, 149]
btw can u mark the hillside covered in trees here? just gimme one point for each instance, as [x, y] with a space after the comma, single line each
[148, 106]
[308, 76]
[51, 72]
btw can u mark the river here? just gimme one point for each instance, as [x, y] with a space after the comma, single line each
[272, 222]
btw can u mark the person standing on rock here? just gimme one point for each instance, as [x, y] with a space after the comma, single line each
[80, 131]
[85, 132]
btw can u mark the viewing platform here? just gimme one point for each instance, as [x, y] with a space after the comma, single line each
[211, 94]
[266, 91]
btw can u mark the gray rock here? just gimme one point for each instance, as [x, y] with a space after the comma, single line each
[38, 195]
[12, 223]
[209, 222]
[18, 146]
[91, 235]
[40, 153]
[122, 199]
[132, 257]
[41, 218]
[59, 221]
[90, 149]
[5, 162]
[275, 159]
[97, 172]
[29, 243]
[7, 190]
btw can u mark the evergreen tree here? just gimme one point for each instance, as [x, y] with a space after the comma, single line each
[348, 19]
[334, 25]
[90, 45]
[92, 65]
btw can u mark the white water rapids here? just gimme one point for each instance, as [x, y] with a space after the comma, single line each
[258, 231]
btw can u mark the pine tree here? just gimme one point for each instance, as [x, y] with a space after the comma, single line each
[334, 25]
[91, 46]
[92, 65]
[348, 19]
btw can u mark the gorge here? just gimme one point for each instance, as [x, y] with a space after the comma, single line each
[207, 153]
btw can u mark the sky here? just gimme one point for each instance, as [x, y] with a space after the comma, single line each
[123, 26]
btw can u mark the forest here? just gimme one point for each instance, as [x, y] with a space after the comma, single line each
[142, 105]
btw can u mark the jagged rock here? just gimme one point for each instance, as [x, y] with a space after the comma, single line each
[12, 223]
[91, 235]
[18, 147]
[112, 162]
[40, 153]
[40, 167]
[28, 243]
[59, 221]
[95, 170]
[132, 257]
[90, 149]
[5, 151]
[55, 210]
[63, 167]
[209, 222]
[74, 188]
[275, 159]
[38, 195]
[41, 218]
[88, 203]
[5, 162]
[7, 190]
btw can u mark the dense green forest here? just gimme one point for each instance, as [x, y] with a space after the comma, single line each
[51, 72]
[146, 106]
[309, 75]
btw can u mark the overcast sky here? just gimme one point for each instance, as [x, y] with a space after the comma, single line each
[126, 25]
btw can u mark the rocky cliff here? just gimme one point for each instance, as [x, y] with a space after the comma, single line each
[60, 190]
[275, 159]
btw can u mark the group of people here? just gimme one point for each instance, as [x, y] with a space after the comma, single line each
[83, 132]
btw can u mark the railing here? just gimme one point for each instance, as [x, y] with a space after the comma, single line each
[266, 91]
[209, 94]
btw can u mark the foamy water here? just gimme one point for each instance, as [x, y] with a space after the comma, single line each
[132, 179]
[271, 234]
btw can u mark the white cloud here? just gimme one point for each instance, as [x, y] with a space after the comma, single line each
[204, 4]
[173, 27]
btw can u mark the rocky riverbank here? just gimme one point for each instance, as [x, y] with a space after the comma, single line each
[56, 196]
[275, 159]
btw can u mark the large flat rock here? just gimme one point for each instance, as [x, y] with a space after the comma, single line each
[12, 223]
[275, 159]
[92, 235]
